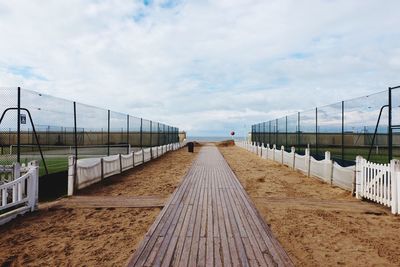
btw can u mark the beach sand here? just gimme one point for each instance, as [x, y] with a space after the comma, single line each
[317, 224]
[57, 235]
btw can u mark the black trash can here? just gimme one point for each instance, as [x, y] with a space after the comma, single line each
[190, 146]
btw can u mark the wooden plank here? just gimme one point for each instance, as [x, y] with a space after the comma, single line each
[194, 248]
[237, 232]
[210, 227]
[226, 258]
[112, 202]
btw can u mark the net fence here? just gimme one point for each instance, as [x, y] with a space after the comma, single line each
[360, 126]
[49, 129]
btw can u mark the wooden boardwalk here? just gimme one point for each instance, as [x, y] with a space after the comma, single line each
[209, 221]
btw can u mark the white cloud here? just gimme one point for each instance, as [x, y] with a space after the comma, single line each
[205, 66]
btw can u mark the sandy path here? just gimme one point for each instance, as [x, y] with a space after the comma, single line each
[317, 224]
[60, 236]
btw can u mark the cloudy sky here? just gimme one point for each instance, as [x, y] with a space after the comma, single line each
[207, 67]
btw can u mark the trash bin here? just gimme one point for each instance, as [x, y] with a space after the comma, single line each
[190, 146]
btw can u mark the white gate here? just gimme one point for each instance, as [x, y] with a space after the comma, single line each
[379, 182]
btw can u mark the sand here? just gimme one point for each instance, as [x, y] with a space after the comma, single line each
[59, 236]
[317, 224]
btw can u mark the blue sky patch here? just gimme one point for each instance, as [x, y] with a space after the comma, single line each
[300, 55]
[26, 72]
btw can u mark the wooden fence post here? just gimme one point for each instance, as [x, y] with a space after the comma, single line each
[308, 161]
[282, 151]
[32, 187]
[358, 177]
[328, 167]
[293, 151]
[395, 173]
[273, 152]
[16, 170]
[71, 175]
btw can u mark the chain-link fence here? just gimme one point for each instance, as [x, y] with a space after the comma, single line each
[367, 126]
[35, 126]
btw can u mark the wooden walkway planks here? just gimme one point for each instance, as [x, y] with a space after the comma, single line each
[209, 221]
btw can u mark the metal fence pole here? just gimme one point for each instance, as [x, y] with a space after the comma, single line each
[141, 133]
[264, 133]
[286, 135]
[19, 125]
[164, 136]
[151, 139]
[269, 133]
[390, 130]
[158, 134]
[108, 134]
[127, 134]
[75, 134]
[298, 129]
[316, 131]
[253, 133]
[342, 130]
[276, 133]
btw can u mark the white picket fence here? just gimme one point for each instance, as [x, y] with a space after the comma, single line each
[376, 182]
[84, 172]
[379, 183]
[20, 194]
[325, 169]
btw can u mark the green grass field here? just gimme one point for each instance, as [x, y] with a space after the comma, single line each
[53, 165]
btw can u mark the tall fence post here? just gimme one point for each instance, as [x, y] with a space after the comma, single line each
[342, 148]
[390, 131]
[151, 140]
[164, 138]
[108, 133]
[19, 125]
[127, 135]
[269, 132]
[75, 133]
[316, 131]
[141, 134]
[298, 129]
[277, 132]
[286, 133]
[158, 137]
[74, 160]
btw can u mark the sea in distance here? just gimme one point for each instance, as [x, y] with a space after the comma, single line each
[213, 138]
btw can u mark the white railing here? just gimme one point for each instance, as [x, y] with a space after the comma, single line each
[19, 195]
[84, 172]
[9, 173]
[376, 182]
